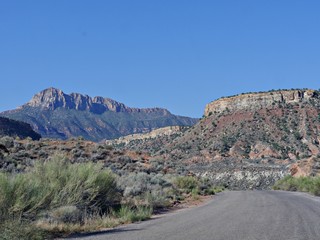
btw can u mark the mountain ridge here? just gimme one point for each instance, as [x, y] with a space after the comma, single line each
[53, 98]
[55, 114]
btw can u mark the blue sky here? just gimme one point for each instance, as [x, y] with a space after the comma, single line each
[176, 54]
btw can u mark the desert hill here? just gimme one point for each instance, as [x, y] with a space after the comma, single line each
[253, 138]
[249, 140]
[19, 129]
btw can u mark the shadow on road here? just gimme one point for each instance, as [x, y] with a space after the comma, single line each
[109, 231]
[119, 229]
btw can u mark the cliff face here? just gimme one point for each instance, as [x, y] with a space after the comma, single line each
[55, 114]
[256, 101]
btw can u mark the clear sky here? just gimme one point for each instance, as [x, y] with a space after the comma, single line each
[177, 54]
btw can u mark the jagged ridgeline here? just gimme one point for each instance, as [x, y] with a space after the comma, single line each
[55, 114]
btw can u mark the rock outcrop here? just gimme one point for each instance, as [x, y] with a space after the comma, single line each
[257, 101]
[160, 132]
[148, 142]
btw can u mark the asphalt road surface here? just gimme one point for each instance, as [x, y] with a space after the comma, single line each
[249, 215]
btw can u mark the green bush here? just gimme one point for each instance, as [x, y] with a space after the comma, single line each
[186, 183]
[128, 214]
[16, 230]
[213, 190]
[195, 193]
[194, 186]
[301, 184]
[65, 214]
[218, 189]
[54, 184]
[153, 190]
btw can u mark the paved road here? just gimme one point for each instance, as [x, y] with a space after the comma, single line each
[250, 215]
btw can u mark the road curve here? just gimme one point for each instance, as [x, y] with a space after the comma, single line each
[249, 215]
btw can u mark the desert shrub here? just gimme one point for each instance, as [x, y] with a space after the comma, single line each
[153, 190]
[139, 183]
[54, 184]
[93, 222]
[64, 214]
[96, 221]
[129, 214]
[134, 184]
[17, 230]
[218, 189]
[316, 187]
[212, 190]
[7, 141]
[196, 186]
[157, 165]
[109, 147]
[301, 184]
[186, 183]
[195, 193]
[160, 198]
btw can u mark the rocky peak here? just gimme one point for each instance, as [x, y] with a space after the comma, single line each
[256, 101]
[50, 98]
[53, 98]
[110, 104]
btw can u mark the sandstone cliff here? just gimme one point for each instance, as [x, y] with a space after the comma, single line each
[257, 101]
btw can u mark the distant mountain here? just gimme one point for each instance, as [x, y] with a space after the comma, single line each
[12, 128]
[55, 114]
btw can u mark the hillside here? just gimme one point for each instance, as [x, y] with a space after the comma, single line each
[19, 129]
[150, 142]
[55, 114]
[19, 155]
[249, 140]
